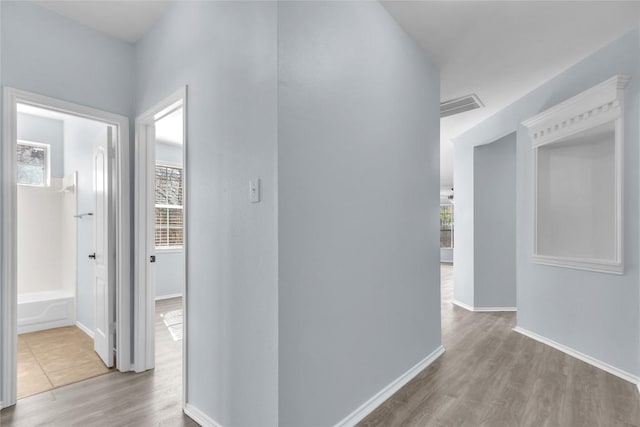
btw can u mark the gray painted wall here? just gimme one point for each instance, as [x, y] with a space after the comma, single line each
[596, 314]
[169, 263]
[495, 223]
[228, 57]
[167, 152]
[169, 272]
[358, 174]
[45, 131]
[463, 256]
[446, 254]
[45, 53]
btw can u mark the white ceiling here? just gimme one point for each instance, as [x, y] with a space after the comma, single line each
[125, 20]
[501, 50]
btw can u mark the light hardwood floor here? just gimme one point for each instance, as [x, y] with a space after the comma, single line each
[489, 376]
[492, 376]
[117, 399]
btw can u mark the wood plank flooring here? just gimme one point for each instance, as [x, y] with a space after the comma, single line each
[489, 376]
[151, 398]
[492, 376]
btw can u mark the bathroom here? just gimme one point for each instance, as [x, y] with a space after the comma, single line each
[55, 236]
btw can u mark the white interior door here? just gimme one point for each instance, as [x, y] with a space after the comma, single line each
[104, 255]
[151, 245]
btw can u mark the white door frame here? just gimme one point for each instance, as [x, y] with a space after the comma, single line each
[144, 291]
[8, 288]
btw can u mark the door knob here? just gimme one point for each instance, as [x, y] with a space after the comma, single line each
[92, 256]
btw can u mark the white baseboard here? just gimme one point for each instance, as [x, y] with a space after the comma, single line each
[488, 309]
[581, 356]
[371, 404]
[200, 417]
[84, 329]
[161, 297]
[461, 304]
[482, 309]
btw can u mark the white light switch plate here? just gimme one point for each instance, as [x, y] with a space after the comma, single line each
[254, 191]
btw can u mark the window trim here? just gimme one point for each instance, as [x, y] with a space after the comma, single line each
[172, 248]
[47, 161]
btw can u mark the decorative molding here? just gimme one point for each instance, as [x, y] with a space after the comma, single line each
[168, 296]
[384, 394]
[595, 106]
[200, 417]
[600, 105]
[84, 329]
[482, 309]
[581, 264]
[462, 305]
[581, 356]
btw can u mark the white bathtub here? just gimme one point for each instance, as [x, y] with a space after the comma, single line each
[38, 311]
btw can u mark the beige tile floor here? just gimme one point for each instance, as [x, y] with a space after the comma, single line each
[55, 357]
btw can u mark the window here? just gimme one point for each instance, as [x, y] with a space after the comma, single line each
[168, 206]
[33, 163]
[446, 226]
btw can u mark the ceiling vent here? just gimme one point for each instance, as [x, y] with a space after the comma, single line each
[460, 105]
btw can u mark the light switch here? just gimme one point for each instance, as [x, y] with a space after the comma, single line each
[254, 191]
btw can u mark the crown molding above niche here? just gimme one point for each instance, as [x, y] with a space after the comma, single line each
[577, 183]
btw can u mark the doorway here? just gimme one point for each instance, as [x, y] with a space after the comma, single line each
[57, 246]
[161, 238]
[28, 295]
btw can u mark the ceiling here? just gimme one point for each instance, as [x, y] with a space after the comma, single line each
[501, 50]
[125, 20]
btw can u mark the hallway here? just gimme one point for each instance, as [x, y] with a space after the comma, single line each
[492, 376]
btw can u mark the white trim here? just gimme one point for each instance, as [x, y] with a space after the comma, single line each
[200, 417]
[482, 309]
[384, 394]
[462, 305]
[598, 105]
[8, 323]
[144, 293]
[84, 329]
[168, 296]
[493, 309]
[8, 289]
[169, 249]
[581, 356]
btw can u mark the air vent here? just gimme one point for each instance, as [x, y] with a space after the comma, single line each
[460, 105]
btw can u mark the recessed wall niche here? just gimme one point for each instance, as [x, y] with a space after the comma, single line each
[577, 175]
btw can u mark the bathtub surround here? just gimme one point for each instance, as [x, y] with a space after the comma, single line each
[44, 214]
